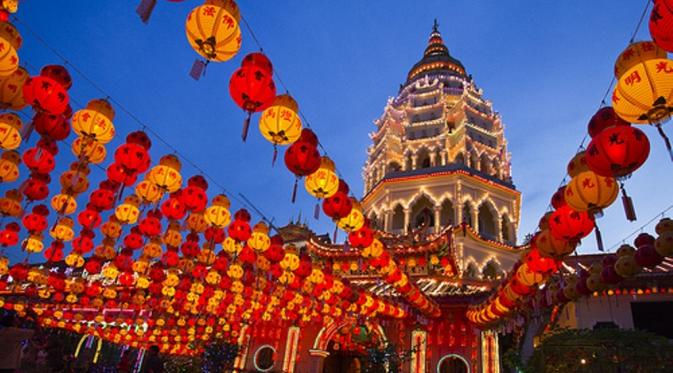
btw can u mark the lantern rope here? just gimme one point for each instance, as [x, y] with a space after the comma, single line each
[135, 118]
[640, 229]
[605, 96]
[282, 83]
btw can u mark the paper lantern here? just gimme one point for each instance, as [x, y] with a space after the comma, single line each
[166, 175]
[213, 31]
[128, 211]
[88, 151]
[577, 164]
[10, 42]
[259, 239]
[54, 127]
[10, 127]
[302, 158]
[324, 182]
[217, 215]
[605, 118]
[354, 220]
[11, 90]
[252, 87]
[588, 191]
[568, 224]
[95, 122]
[661, 24]
[644, 90]
[617, 151]
[550, 246]
[280, 123]
[9, 166]
[48, 91]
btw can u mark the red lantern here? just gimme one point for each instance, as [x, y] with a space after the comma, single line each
[10, 235]
[117, 173]
[617, 151]
[661, 24]
[570, 225]
[240, 229]
[173, 208]
[48, 92]
[605, 118]
[302, 158]
[84, 242]
[361, 238]
[539, 264]
[36, 187]
[39, 160]
[133, 157]
[338, 205]
[194, 195]
[150, 226]
[558, 199]
[252, 87]
[55, 127]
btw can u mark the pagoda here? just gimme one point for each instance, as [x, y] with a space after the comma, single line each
[439, 191]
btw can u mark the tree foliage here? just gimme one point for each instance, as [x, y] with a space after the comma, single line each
[602, 350]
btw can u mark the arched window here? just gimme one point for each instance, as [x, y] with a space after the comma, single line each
[507, 230]
[446, 216]
[467, 214]
[491, 270]
[486, 222]
[460, 159]
[423, 158]
[495, 168]
[398, 218]
[474, 160]
[422, 213]
[375, 222]
[393, 167]
[453, 364]
[485, 164]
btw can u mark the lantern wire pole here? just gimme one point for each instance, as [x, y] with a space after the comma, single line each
[123, 108]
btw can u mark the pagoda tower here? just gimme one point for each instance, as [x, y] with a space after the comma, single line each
[439, 160]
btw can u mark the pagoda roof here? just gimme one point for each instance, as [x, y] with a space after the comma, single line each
[436, 58]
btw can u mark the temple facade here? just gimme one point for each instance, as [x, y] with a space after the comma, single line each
[438, 188]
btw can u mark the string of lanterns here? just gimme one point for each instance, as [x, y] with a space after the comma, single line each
[643, 95]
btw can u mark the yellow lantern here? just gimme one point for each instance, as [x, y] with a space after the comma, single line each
[75, 181]
[528, 277]
[33, 243]
[644, 90]
[550, 246]
[259, 239]
[374, 250]
[231, 246]
[89, 151]
[280, 123]
[172, 237]
[166, 175]
[324, 182]
[74, 260]
[64, 204]
[128, 212]
[590, 192]
[10, 131]
[95, 122]
[10, 6]
[10, 203]
[196, 222]
[213, 30]
[148, 192]
[10, 41]
[63, 231]
[11, 90]
[290, 261]
[354, 220]
[218, 215]
[9, 166]
[152, 249]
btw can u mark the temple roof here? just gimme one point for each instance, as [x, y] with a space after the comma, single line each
[436, 58]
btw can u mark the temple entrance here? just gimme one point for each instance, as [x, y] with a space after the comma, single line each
[339, 362]
[452, 364]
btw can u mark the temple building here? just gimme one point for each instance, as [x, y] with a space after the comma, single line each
[438, 187]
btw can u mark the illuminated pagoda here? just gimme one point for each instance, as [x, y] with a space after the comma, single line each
[438, 189]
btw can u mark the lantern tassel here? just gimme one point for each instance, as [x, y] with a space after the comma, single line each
[275, 155]
[145, 9]
[316, 211]
[629, 210]
[27, 131]
[294, 189]
[336, 230]
[599, 239]
[246, 126]
[198, 69]
[666, 141]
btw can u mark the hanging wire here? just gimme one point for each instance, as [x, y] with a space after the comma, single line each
[304, 119]
[131, 115]
[605, 96]
[642, 227]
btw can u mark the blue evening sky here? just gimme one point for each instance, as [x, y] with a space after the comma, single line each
[544, 64]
